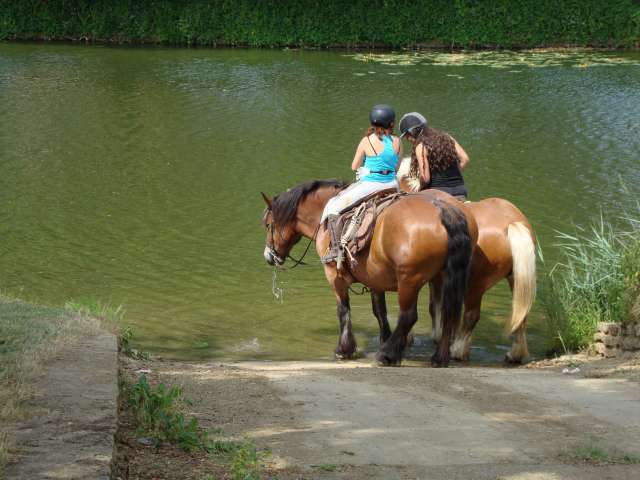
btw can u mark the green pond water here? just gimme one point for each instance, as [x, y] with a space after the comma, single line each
[133, 175]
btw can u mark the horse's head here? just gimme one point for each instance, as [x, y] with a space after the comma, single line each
[407, 182]
[293, 214]
[281, 236]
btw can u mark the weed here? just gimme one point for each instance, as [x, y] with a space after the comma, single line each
[125, 345]
[596, 454]
[591, 453]
[157, 412]
[247, 462]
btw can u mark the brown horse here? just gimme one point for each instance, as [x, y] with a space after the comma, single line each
[505, 250]
[415, 240]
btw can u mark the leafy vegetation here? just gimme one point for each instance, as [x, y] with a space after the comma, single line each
[270, 23]
[598, 281]
[159, 415]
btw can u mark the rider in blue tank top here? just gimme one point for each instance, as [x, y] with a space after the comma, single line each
[382, 167]
[376, 162]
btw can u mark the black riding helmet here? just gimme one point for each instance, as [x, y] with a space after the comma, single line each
[412, 123]
[382, 116]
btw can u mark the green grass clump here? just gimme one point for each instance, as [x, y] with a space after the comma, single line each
[596, 454]
[158, 414]
[598, 281]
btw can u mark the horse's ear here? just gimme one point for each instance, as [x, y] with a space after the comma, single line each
[267, 200]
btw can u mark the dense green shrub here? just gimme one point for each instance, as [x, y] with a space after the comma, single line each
[390, 23]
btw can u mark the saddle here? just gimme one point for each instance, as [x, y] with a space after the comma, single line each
[351, 231]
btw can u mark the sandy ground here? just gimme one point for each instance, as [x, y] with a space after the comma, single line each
[354, 420]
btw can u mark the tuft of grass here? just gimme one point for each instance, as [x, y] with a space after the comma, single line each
[248, 462]
[596, 454]
[597, 281]
[110, 316]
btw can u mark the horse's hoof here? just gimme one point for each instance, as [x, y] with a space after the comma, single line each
[508, 358]
[437, 362]
[385, 361]
[343, 356]
[463, 359]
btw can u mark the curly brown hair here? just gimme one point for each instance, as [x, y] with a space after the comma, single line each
[441, 151]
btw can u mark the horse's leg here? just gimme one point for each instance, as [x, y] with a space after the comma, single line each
[435, 307]
[379, 305]
[391, 352]
[346, 341]
[519, 350]
[460, 349]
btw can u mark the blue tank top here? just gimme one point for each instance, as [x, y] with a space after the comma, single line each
[385, 160]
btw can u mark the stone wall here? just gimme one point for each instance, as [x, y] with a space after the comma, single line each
[617, 340]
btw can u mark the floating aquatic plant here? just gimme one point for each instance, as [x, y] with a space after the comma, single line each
[503, 59]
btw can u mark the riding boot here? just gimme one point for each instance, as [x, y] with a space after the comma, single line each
[335, 249]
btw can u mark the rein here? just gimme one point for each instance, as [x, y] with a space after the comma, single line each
[300, 262]
[306, 250]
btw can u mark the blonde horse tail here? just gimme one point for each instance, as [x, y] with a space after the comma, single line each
[523, 253]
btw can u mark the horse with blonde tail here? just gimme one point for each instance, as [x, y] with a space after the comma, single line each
[416, 240]
[505, 250]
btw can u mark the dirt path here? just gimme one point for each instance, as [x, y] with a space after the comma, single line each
[354, 420]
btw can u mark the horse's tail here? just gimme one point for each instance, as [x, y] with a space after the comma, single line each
[457, 264]
[523, 253]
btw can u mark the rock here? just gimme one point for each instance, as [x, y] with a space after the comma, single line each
[611, 341]
[601, 349]
[609, 328]
[629, 329]
[637, 329]
[631, 343]
[598, 337]
[613, 352]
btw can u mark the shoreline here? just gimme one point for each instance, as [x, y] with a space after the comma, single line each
[359, 48]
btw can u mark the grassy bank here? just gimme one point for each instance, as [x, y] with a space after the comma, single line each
[597, 281]
[378, 23]
[29, 336]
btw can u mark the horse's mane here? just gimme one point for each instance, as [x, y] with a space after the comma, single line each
[285, 205]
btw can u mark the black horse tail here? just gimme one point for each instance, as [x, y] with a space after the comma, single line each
[457, 265]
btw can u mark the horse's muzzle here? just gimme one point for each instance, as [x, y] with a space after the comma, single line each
[272, 257]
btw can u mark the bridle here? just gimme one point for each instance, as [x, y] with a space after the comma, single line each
[278, 258]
